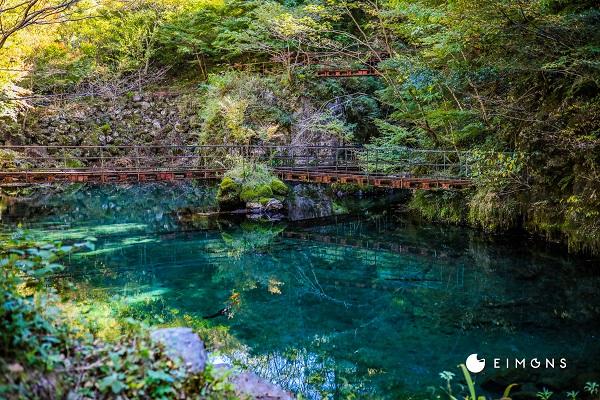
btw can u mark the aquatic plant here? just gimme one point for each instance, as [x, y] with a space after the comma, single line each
[470, 384]
[592, 388]
[447, 376]
[545, 394]
[572, 395]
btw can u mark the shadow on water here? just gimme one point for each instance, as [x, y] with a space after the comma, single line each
[373, 303]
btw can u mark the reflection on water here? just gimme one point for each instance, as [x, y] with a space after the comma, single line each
[376, 305]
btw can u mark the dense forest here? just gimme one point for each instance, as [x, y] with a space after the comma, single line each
[519, 78]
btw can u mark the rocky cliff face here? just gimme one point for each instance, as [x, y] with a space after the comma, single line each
[152, 118]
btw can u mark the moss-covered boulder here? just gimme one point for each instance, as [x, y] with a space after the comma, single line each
[249, 183]
[228, 194]
[278, 187]
[255, 193]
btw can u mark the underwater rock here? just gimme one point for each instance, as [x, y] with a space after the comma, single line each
[248, 384]
[309, 201]
[502, 378]
[182, 344]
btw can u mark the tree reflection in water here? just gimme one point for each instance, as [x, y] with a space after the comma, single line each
[375, 304]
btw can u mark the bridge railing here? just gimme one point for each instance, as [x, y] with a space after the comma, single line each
[368, 160]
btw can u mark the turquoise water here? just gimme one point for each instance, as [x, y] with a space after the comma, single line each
[374, 304]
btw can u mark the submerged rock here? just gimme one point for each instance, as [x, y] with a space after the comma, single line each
[248, 384]
[184, 345]
[309, 201]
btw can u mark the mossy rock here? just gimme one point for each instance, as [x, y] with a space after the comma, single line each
[255, 193]
[228, 185]
[278, 187]
[228, 194]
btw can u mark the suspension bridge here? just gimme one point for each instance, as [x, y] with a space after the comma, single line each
[394, 167]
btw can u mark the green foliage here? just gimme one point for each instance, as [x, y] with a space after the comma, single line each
[462, 87]
[494, 212]
[251, 236]
[41, 353]
[592, 388]
[498, 171]
[516, 84]
[470, 389]
[572, 395]
[240, 108]
[443, 206]
[545, 394]
[228, 193]
[10, 159]
[31, 335]
[249, 182]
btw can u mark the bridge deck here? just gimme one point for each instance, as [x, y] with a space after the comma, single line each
[17, 178]
[402, 169]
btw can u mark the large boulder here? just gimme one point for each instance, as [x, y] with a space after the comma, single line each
[309, 201]
[250, 385]
[184, 345]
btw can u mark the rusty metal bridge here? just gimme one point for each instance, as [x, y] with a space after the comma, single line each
[390, 167]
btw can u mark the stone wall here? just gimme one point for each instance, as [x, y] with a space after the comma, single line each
[159, 117]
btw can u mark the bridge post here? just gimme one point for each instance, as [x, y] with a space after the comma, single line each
[336, 159]
[367, 165]
[445, 171]
[101, 159]
[137, 161]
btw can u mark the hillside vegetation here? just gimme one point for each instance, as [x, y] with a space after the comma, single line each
[520, 78]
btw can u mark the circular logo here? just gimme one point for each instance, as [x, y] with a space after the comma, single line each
[475, 365]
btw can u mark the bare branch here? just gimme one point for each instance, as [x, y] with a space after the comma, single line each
[18, 15]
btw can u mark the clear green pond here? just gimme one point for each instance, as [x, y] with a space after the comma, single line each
[371, 303]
